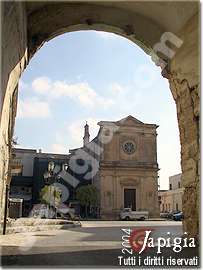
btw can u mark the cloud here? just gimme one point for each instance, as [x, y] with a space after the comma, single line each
[117, 89]
[79, 92]
[107, 35]
[59, 148]
[70, 136]
[33, 108]
[127, 97]
[76, 130]
[41, 85]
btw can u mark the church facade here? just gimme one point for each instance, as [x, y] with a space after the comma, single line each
[128, 168]
[121, 161]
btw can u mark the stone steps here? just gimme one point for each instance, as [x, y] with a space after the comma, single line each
[23, 225]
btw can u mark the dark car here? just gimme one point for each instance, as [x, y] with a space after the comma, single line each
[178, 216]
[172, 213]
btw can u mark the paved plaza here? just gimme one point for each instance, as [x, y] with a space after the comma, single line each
[95, 243]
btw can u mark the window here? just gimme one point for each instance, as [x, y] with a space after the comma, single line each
[178, 184]
[129, 147]
[176, 206]
[170, 186]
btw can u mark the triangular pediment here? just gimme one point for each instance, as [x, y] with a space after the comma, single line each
[129, 121]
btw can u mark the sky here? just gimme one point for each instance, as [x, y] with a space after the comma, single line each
[93, 76]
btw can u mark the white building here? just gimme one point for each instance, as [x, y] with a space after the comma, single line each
[171, 200]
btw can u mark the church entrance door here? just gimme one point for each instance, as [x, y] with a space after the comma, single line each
[130, 198]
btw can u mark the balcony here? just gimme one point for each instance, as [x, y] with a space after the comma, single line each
[16, 166]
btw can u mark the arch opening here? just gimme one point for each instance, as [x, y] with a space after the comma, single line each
[183, 74]
[140, 84]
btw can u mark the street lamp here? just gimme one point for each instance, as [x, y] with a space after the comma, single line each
[51, 175]
[65, 167]
[48, 176]
[51, 166]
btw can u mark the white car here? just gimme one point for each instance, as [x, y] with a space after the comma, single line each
[65, 212]
[128, 214]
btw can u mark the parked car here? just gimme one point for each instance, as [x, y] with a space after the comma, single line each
[164, 215]
[40, 211]
[63, 211]
[172, 213]
[128, 214]
[178, 216]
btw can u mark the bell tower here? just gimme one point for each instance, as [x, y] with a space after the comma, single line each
[86, 137]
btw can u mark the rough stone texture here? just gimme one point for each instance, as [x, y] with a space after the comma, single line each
[141, 22]
[14, 59]
[51, 20]
[184, 82]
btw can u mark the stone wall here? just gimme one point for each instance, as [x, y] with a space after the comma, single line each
[184, 79]
[13, 59]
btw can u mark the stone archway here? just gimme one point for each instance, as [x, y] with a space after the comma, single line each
[27, 25]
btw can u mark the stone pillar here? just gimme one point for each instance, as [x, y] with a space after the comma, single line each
[102, 198]
[188, 122]
[184, 84]
[6, 135]
[14, 60]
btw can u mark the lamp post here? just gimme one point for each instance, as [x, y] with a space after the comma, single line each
[49, 178]
[5, 209]
[65, 167]
[51, 167]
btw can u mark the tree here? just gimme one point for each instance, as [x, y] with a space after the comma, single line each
[87, 196]
[50, 195]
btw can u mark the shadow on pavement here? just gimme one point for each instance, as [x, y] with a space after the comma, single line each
[92, 258]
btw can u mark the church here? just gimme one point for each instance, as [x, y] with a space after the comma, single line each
[126, 174]
[121, 161]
